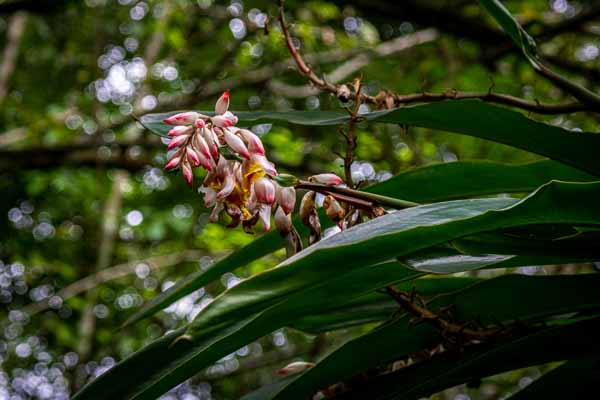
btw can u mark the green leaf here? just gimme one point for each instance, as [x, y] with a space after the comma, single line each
[574, 379]
[510, 25]
[444, 182]
[531, 298]
[467, 117]
[297, 286]
[376, 306]
[502, 125]
[154, 122]
[461, 179]
[258, 248]
[546, 345]
[397, 234]
[527, 45]
[187, 357]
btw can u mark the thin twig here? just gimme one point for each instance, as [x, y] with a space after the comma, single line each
[386, 99]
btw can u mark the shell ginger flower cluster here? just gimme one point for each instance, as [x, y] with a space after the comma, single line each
[240, 177]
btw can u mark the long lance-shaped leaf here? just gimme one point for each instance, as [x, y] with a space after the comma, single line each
[528, 46]
[178, 362]
[468, 117]
[575, 379]
[498, 124]
[552, 344]
[342, 252]
[439, 260]
[462, 179]
[397, 234]
[426, 184]
[298, 282]
[530, 299]
[580, 246]
[377, 306]
[258, 248]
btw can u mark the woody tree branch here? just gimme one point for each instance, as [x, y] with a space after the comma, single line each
[387, 99]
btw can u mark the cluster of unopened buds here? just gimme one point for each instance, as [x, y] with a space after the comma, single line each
[240, 180]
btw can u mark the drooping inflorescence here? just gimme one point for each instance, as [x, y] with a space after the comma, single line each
[243, 185]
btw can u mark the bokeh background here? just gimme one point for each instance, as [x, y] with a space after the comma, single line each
[90, 224]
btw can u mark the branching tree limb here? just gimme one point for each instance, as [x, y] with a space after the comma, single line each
[386, 99]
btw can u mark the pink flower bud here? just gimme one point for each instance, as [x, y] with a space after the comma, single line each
[210, 196]
[326, 179]
[265, 216]
[229, 116]
[180, 130]
[236, 144]
[199, 123]
[173, 163]
[283, 221]
[178, 141]
[294, 368]
[221, 121]
[212, 141]
[186, 170]
[222, 104]
[286, 198]
[207, 163]
[201, 145]
[264, 190]
[185, 118]
[193, 156]
[255, 145]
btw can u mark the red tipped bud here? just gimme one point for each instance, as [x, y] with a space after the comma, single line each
[236, 144]
[180, 130]
[186, 170]
[173, 163]
[193, 156]
[178, 141]
[228, 115]
[264, 190]
[212, 141]
[222, 104]
[221, 121]
[286, 197]
[255, 145]
[201, 145]
[326, 179]
[294, 368]
[199, 123]
[185, 118]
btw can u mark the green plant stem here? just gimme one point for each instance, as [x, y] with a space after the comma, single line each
[357, 194]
